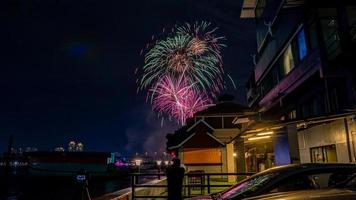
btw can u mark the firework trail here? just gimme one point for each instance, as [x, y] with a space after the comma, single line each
[191, 50]
[177, 97]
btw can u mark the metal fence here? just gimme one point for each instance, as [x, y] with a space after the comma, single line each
[203, 182]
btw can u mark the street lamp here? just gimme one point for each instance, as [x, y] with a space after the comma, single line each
[138, 163]
[159, 162]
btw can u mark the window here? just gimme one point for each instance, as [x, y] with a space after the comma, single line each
[331, 37]
[260, 7]
[292, 114]
[334, 101]
[249, 186]
[302, 44]
[317, 179]
[351, 11]
[324, 154]
[288, 61]
[296, 51]
[270, 80]
[312, 35]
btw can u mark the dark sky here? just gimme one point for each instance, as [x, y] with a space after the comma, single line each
[66, 68]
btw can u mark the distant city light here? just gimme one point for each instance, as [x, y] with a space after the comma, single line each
[138, 162]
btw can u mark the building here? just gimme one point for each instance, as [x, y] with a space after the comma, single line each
[206, 141]
[74, 146]
[303, 86]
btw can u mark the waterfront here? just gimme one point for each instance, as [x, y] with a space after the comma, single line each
[59, 188]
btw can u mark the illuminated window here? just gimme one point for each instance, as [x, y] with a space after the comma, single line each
[288, 61]
[292, 114]
[324, 154]
[302, 45]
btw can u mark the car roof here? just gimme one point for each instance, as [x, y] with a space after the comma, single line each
[306, 194]
[307, 166]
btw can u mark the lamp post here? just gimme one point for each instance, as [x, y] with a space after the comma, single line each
[138, 163]
[159, 162]
[166, 162]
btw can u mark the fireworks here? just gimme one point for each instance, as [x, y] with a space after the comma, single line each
[178, 98]
[183, 70]
[191, 50]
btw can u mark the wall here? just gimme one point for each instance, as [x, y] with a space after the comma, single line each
[206, 168]
[322, 135]
[230, 161]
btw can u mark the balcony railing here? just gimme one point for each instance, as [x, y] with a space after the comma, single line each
[205, 183]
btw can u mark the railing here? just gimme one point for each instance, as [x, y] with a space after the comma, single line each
[205, 183]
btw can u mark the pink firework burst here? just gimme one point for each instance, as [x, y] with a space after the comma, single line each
[177, 97]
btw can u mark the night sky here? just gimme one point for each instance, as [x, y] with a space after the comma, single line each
[67, 68]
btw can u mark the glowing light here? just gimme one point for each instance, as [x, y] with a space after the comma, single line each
[259, 138]
[265, 133]
[159, 162]
[138, 162]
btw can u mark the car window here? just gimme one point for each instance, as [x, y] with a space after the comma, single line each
[351, 183]
[311, 180]
[300, 182]
[248, 186]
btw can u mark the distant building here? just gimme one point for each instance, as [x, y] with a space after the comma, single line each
[79, 147]
[71, 146]
[74, 146]
[59, 149]
[30, 149]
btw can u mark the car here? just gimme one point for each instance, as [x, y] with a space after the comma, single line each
[342, 191]
[287, 178]
[321, 194]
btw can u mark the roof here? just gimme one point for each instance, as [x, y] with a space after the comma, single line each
[308, 166]
[198, 122]
[183, 134]
[226, 107]
[257, 126]
[191, 136]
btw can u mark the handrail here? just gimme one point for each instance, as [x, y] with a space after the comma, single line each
[204, 183]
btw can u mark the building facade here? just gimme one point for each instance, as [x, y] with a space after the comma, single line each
[303, 86]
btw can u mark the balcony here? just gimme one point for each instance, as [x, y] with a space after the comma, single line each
[294, 79]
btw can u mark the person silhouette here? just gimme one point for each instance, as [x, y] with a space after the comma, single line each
[175, 175]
